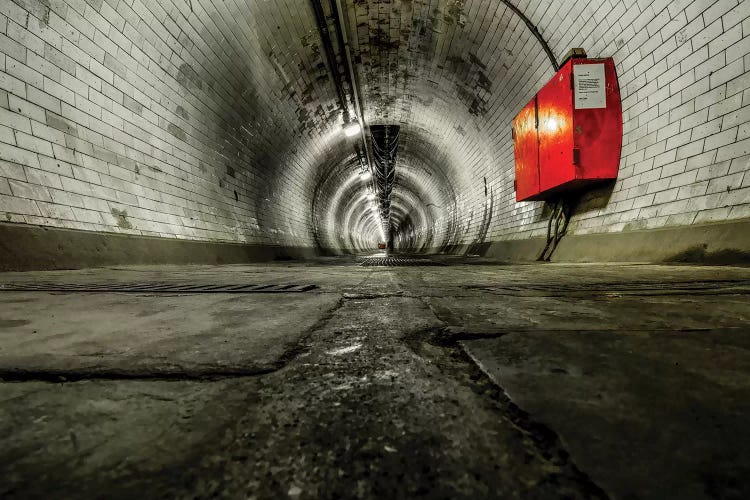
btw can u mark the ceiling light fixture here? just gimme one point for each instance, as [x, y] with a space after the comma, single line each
[352, 128]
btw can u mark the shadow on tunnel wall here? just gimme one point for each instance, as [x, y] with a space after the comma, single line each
[316, 233]
[560, 209]
[581, 202]
[452, 243]
[480, 245]
[455, 241]
[593, 199]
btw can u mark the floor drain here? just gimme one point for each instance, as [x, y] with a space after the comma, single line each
[634, 288]
[152, 288]
[396, 262]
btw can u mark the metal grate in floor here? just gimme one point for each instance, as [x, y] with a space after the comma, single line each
[396, 262]
[633, 288]
[152, 288]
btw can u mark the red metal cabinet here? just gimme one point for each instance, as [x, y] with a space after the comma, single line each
[570, 134]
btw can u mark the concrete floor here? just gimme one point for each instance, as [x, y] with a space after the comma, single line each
[472, 380]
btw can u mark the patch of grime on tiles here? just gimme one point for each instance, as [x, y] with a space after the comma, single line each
[37, 8]
[189, 78]
[182, 113]
[177, 132]
[121, 218]
[381, 40]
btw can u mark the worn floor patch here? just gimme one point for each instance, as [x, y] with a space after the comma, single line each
[367, 389]
[78, 336]
[384, 415]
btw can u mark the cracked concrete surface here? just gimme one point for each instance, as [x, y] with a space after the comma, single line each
[149, 335]
[465, 381]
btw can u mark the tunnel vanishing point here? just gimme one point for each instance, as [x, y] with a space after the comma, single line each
[375, 249]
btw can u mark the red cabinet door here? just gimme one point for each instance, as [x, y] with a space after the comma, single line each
[526, 152]
[555, 102]
[598, 130]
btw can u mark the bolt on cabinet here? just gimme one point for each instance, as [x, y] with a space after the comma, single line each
[569, 135]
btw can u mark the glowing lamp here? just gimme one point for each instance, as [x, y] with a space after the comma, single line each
[351, 129]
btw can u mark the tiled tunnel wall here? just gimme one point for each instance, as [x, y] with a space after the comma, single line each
[157, 118]
[684, 70]
[684, 73]
[217, 119]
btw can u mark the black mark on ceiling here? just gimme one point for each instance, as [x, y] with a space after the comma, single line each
[484, 82]
[308, 39]
[476, 105]
[382, 40]
[456, 8]
[476, 61]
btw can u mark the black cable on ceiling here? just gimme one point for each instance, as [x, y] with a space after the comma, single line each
[535, 32]
[325, 38]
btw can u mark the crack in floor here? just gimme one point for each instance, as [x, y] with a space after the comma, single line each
[454, 360]
[400, 415]
[379, 398]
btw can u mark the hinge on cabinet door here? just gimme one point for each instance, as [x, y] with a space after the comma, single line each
[513, 133]
[515, 185]
[576, 156]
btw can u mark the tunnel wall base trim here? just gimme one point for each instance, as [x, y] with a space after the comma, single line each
[25, 248]
[719, 243]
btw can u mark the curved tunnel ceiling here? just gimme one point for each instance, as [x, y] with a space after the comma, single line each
[442, 70]
[439, 70]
